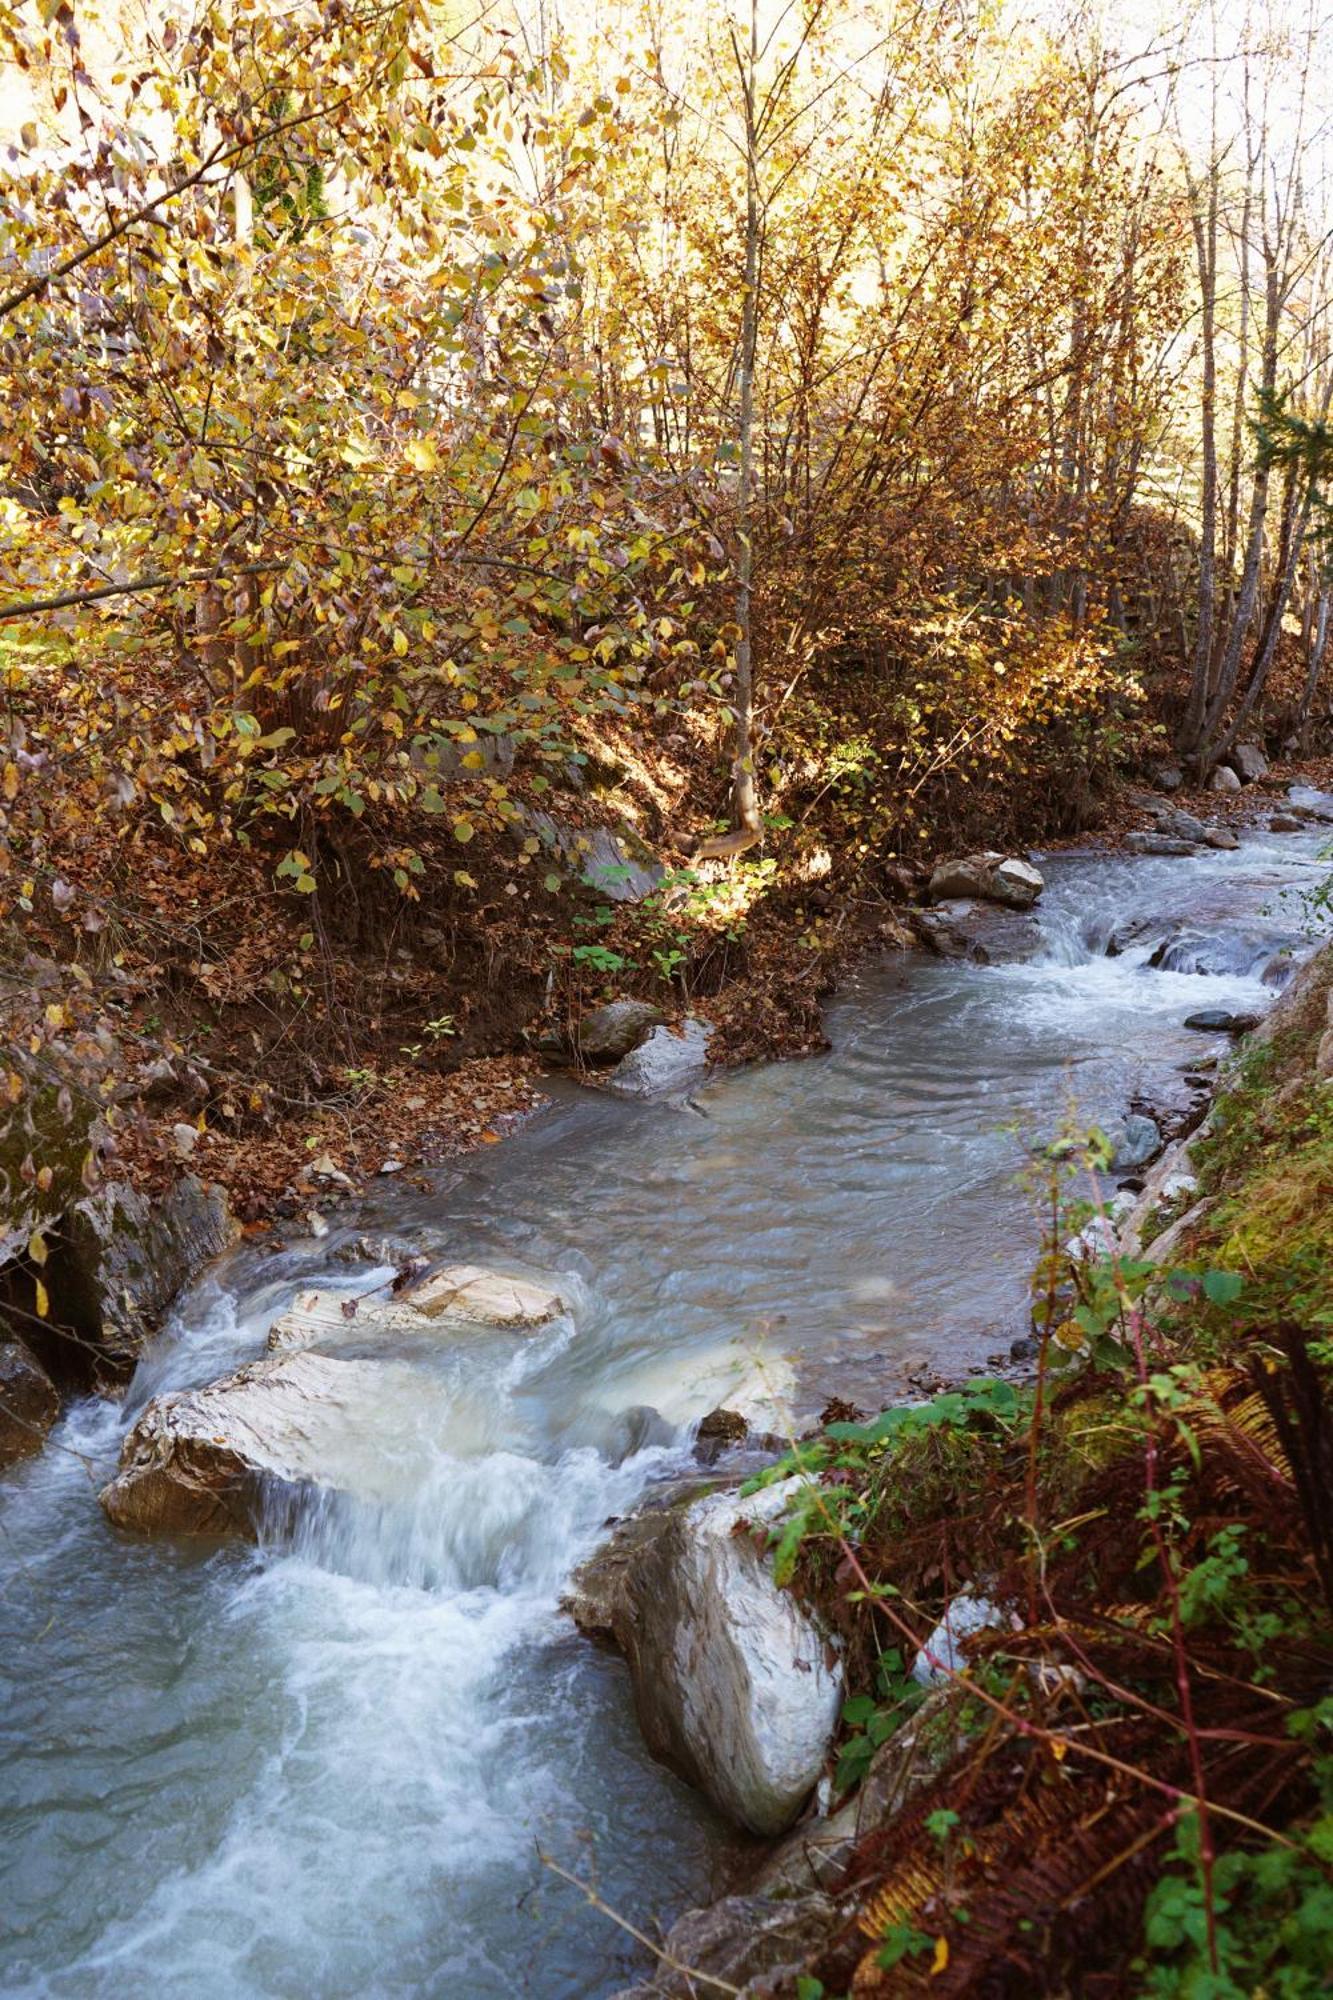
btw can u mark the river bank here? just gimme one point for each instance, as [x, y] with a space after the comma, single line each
[1087, 1745]
[419, 1654]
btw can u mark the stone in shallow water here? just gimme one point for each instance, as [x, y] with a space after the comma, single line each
[1217, 1021]
[1138, 1140]
[1313, 804]
[610, 1032]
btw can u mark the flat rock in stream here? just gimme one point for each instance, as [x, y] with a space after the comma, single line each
[1160, 843]
[460, 1293]
[211, 1461]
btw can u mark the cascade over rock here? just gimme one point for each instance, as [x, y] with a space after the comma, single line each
[211, 1461]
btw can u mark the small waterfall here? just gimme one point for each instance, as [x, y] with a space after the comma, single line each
[502, 1522]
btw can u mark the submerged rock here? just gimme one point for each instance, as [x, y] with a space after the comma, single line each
[732, 1679]
[668, 1061]
[610, 1032]
[940, 932]
[29, 1404]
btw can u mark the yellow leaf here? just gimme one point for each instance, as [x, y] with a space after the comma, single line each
[421, 453]
[43, 1301]
[11, 781]
[940, 1962]
[37, 1247]
[400, 642]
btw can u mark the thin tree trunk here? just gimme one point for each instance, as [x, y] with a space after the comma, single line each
[749, 827]
[1205, 245]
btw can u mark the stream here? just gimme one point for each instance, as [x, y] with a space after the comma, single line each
[329, 1767]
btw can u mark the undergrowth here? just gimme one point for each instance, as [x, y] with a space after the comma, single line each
[1128, 1788]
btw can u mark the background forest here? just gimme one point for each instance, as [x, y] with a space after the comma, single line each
[812, 435]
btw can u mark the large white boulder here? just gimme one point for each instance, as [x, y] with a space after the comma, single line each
[211, 1461]
[735, 1685]
[437, 1303]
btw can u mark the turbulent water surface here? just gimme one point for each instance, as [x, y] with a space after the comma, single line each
[331, 1767]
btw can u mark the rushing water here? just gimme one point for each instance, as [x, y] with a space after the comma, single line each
[326, 1768]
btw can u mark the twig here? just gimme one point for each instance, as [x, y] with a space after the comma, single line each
[658, 1951]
